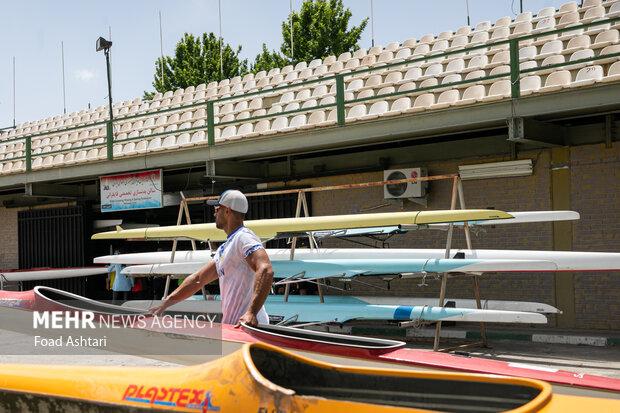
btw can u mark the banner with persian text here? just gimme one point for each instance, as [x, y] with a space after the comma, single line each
[140, 190]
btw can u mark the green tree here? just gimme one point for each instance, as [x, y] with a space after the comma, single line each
[268, 60]
[196, 60]
[320, 29]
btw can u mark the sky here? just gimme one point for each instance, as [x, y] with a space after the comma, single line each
[32, 33]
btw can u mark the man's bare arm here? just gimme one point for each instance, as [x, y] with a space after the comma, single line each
[259, 262]
[189, 286]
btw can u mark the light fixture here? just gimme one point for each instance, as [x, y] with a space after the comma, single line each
[496, 169]
[103, 44]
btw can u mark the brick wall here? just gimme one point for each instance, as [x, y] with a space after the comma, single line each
[595, 180]
[595, 193]
[9, 258]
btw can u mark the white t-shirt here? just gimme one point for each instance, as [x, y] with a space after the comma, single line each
[236, 276]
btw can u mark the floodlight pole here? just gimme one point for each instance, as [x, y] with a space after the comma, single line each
[107, 62]
[372, 26]
[467, 6]
[110, 133]
[103, 44]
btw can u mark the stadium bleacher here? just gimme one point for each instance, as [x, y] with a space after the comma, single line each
[458, 68]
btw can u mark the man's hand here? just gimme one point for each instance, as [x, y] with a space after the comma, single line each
[249, 319]
[159, 309]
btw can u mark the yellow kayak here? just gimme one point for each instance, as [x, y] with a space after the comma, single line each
[269, 228]
[264, 379]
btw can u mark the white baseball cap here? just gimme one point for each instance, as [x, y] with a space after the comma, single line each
[232, 199]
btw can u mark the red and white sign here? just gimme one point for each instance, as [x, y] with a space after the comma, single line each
[140, 190]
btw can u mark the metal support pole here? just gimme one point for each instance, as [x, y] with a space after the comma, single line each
[107, 61]
[293, 242]
[467, 6]
[161, 51]
[189, 221]
[174, 245]
[221, 53]
[13, 91]
[210, 124]
[167, 287]
[307, 213]
[340, 99]
[187, 218]
[64, 97]
[444, 278]
[110, 140]
[28, 154]
[291, 24]
[110, 124]
[515, 89]
[372, 25]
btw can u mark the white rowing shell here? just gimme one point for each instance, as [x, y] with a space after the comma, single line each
[50, 273]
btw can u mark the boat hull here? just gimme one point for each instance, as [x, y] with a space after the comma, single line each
[50, 273]
[212, 303]
[269, 228]
[564, 260]
[262, 378]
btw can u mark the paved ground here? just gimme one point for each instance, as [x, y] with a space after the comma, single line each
[601, 361]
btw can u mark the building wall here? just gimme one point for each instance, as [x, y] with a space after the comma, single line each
[595, 179]
[595, 193]
[9, 255]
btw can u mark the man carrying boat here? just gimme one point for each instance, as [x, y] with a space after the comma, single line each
[241, 264]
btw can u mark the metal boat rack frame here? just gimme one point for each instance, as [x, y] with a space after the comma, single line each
[457, 195]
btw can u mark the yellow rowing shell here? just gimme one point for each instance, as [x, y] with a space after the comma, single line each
[262, 378]
[268, 228]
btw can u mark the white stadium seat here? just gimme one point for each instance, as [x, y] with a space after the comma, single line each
[471, 95]
[356, 112]
[295, 123]
[423, 102]
[377, 109]
[278, 124]
[530, 84]
[498, 90]
[588, 76]
[400, 105]
[446, 99]
[556, 81]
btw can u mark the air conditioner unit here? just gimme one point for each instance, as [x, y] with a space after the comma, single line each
[407, 189]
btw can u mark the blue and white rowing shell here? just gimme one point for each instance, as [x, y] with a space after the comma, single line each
[197, 304]
[341, 312]
[564, 260]
[335, 312]
[313, 269]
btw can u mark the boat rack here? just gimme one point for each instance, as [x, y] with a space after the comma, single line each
[457, 196]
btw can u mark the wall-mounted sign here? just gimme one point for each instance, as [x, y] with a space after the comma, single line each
[140, 190]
